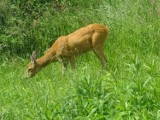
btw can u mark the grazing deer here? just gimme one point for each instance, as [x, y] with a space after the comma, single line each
[66, 48]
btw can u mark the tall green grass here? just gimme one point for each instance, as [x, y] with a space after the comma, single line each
[128, 90]
[131, 92]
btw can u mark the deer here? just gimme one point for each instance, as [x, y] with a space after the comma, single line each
[66, 48]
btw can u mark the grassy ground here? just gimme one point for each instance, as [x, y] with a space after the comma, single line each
[128, 90]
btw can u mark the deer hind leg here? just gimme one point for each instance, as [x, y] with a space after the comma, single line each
[100, 54]
[98, 43]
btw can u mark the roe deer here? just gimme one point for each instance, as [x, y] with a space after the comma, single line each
[66, 48]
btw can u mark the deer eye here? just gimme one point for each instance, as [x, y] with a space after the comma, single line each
[29, 70]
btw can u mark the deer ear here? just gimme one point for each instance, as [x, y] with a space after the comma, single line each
[33, 57]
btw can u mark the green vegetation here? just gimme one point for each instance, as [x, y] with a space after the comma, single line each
[128, 90]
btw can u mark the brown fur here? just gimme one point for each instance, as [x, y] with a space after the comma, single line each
[66, 48]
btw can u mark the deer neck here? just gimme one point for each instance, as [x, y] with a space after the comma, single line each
[45, 60]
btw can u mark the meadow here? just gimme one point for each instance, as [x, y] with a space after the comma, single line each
[128, 90]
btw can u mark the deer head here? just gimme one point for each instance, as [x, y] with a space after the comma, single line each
[33, 66]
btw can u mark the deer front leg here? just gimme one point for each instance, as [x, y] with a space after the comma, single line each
[72, 61]
[64, 65]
